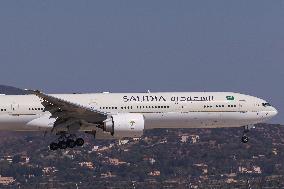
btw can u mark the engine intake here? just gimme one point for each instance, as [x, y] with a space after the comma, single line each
[125, 125]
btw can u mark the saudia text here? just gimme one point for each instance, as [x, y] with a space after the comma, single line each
[150, 98]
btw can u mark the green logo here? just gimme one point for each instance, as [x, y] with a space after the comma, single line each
[132, 123]
[230, 97]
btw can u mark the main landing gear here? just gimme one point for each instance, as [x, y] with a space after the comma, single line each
[65, 142]
[245, 138]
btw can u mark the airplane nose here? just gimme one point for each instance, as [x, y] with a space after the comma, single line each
[274, 112]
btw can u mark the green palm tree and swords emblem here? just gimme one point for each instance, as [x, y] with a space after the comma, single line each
[132, 123]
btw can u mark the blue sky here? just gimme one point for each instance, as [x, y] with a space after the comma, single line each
[126, 46]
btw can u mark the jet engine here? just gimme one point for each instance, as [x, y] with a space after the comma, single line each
[125, 125]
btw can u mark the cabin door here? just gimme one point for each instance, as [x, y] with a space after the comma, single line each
[14, 109]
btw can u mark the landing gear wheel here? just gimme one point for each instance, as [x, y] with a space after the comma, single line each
[245, 139]
[71, 143]
[53, 146]
[80, 142]
[62, 145]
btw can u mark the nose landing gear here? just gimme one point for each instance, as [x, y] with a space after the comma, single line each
[65, 142]
[245, 138]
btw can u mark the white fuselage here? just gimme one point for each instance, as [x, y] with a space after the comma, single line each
[160, 110]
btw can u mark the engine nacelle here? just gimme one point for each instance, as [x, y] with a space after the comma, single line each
[125, 125]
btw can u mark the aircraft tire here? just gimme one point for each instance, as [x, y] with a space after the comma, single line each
[71, 143]
[62, 145]
[245, 139]
[53, 146]
[80, 142]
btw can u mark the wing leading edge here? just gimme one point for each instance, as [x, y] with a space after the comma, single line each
[69, 115]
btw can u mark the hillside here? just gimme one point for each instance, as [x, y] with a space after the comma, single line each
[183, 158]
[8, 90]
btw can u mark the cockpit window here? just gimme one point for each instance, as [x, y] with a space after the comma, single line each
[266, 104]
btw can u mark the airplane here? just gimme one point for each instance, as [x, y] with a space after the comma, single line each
[127, 115]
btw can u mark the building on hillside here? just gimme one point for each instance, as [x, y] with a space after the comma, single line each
[88, 165]
[154, 173]
[6, 180]
[251, 170]
[190, 138]
[122, 142]
[49, 170]
[115, 161]
[7, 158]
[25, 159]
[107, 175]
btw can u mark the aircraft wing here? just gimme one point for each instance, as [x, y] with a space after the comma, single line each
[69, 114]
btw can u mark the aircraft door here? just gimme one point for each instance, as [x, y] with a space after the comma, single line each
[14, 109]
[241, 106]
[93, 104]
